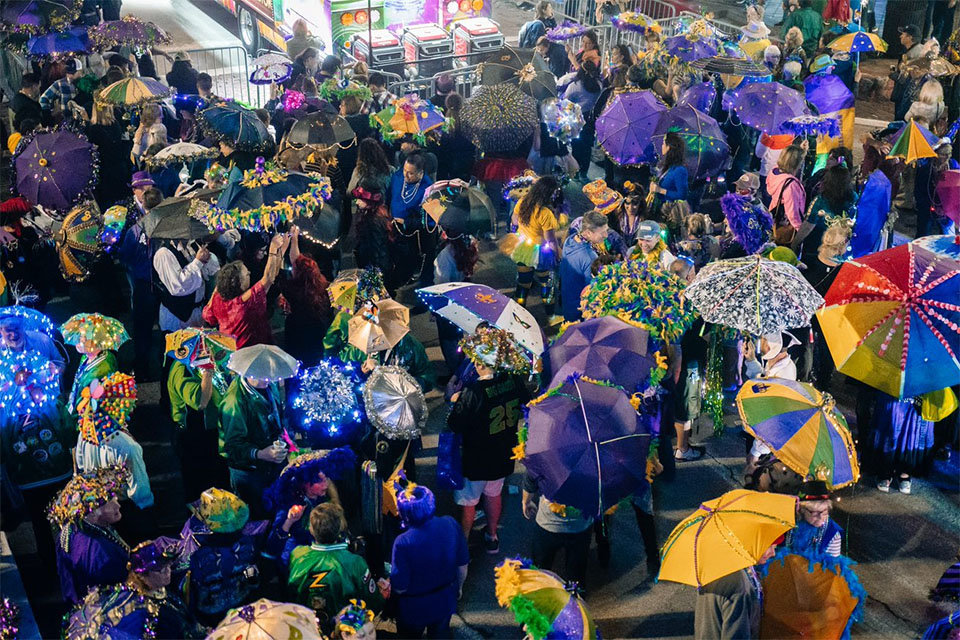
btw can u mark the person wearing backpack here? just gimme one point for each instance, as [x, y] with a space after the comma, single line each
[532, 30]
[787, 197]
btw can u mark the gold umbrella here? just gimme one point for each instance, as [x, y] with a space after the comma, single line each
[379, 326]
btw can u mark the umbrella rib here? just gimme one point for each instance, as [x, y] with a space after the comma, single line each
[936, 332]
[734, 289]
[596, 450]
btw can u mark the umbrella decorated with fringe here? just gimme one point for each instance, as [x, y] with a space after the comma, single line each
[891, 319]
[132, 92]
[271, 68]
[410, 115]
[542, 603]
[802, 426]
[55, 168]
[499, 117]
[129, 31]
[38, 16]
[234, 125]
[321, 131]
[767, 105]
[181, 153]
[566, 31]
[57, 44]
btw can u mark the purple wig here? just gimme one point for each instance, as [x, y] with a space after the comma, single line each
[416, 505]
[750, 224]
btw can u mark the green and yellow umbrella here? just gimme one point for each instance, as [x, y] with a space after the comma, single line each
[802, 426]
[131, 92]
[542, 603]
[913, 142]
[859, 42]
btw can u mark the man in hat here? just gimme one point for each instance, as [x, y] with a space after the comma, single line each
[810, 24]
[650, 246]
[579, 252]
[905, 85]
[139, 607]
[487, 412]
[444, 85]
[60, 96]
[748, 185]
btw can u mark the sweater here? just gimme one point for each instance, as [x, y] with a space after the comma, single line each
[578, 257]
[786, 187]
[676, 183]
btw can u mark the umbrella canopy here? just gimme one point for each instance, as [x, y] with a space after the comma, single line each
[944, 628]
[394, 403]
[129, 31]
[458, 207]
[859, 42]
[892, 320]
[640, 295]
[809, 597]
[948, 191]
[753, 294]
[927, 66]
[688, 48]
[731, 65]
[707, 151]
[74, 40]
[410, 115]
[322, 131]
[827, 93]
[263, 362]
[605, 348]
[948, 246]
[767, 105]
[170, 220]
[725, 535]
[181, 153]
[379, 326]
[912, 142]
[198, 347]
[566, 31]
[802, 426]
[79, 241]
[38, 16]
[634, 21]
[499, 117]
[321, 226]
[626, 126]
[263, 199]
[133, 91]
[948, 587]
[268, 620]
[235, 125]
[271, 68]
[521, 68]
[104, 332]
[467, 305]
[542, 603]
[353, 287]
[700, 96]
[563, 118]
[55, 169]
[586, 445]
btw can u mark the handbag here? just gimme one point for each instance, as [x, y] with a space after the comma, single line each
[449, 461]
[783, 231]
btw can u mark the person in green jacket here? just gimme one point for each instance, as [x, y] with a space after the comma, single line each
[810, 24]
[325, 575]
[196, 393]
[251, 430]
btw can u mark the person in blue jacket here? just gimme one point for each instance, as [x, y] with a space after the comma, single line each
[579, 252]
[672, 183]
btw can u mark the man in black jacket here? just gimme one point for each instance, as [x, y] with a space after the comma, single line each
[24, 104]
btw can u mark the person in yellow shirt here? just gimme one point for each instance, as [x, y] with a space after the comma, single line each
[537, 252]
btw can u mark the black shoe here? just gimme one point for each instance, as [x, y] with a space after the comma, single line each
[492, 545]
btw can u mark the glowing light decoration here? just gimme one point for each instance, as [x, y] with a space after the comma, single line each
[329, 399]
[29, 383]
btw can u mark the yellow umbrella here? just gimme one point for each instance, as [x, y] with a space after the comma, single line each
[913, 142]
[859, 41]
[379, 326]
[725, 535]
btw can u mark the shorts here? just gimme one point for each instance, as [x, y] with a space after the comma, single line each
[469, 496]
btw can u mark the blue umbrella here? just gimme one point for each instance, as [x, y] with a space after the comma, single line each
[59, 43]
[700, 96]
[688, 48]
[605, 348]
[585, 445]
[767, 105]
[37, 16]
[235, 125]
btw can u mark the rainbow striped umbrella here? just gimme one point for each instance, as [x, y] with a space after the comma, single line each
[892, 320]
[542, 603]
[859, 42]
[133, 91]
[802, 426]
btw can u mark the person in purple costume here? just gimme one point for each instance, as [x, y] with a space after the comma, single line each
[89, 551]
[429, 566]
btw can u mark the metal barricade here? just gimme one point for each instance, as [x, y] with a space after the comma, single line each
[229, 67]
[466, 78]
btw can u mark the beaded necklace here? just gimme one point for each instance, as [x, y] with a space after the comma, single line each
[407, 197]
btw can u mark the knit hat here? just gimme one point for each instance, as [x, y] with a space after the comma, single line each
[221, 511]
[494, 348]
[604, 199]
[87, 492]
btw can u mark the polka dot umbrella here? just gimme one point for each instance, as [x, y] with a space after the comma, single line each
[767, 105]
[500, 117]
[55, 169]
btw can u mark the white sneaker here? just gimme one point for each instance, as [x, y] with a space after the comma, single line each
[905, 486]
[690, 454]
[884, 485]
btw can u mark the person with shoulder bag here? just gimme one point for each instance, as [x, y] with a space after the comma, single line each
[787, 196]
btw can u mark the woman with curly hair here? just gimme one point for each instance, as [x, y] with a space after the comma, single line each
[303, 484]
[307, 306]
[535, 250]
[240, 310]
[372, 166]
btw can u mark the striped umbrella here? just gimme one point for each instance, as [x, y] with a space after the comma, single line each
[802, 426]
[913, 142]
[133, 91]
[859, 42]
[542, 603]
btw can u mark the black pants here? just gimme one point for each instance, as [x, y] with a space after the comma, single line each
[136, 524]
[436, 630]
[200, 462]
[145, 308]
[36, 501]
[546, 544]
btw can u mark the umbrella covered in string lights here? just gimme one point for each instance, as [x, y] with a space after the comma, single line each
[625, 128]
[322, 131]
[38, 16]
[707, 151]
[767, 105]
[891, 319]
[55, 44]
[129, 31]
[499, 117]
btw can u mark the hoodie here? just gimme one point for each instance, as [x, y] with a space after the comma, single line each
[578, 256]
[788, 187]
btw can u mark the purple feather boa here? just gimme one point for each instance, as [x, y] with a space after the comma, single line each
[750, 224]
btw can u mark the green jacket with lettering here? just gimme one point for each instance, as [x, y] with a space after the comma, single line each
[326, 577]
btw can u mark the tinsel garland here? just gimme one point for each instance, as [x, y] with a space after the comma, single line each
[566, 31]
[642, 296]
[713, 391]
[751, 224]
[169, 159]
[265, 217]
[496, 349]
[331, 89]
[9, 619]
[812, 126]
[329, 395]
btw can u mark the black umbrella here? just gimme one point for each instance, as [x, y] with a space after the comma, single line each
[521, 68]
[322, 227]
[321, 129]
[731, 66]
[458, 207]
[234, 125]
[171, 220]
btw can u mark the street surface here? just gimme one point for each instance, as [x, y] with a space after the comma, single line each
[902, 542]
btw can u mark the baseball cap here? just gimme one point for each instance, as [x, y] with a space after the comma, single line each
[911, 30]
[748, 181]
[648, 229]
[73, 65]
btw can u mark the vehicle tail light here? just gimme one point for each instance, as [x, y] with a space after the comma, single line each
[477, 5]
[360, 17]
[346, 19]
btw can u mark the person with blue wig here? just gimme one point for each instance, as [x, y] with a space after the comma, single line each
[426, 599]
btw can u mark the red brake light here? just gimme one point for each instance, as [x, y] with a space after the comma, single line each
[360, 17]
[465, 6]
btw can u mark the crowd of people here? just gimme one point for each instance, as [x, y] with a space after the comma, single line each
[272, 510]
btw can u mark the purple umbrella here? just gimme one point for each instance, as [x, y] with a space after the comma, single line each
[605, 348]
[827, 93]
[688, 48]
[586, 446]
[625, 127]
[767, 105]
[700, 96]
[59, 43]
[55, 169]
[707, 151]
[130, 31]
[37, 16]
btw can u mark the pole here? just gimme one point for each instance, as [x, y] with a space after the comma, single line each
[370, 34]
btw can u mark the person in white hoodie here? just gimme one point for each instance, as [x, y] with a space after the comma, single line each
[773, 362]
